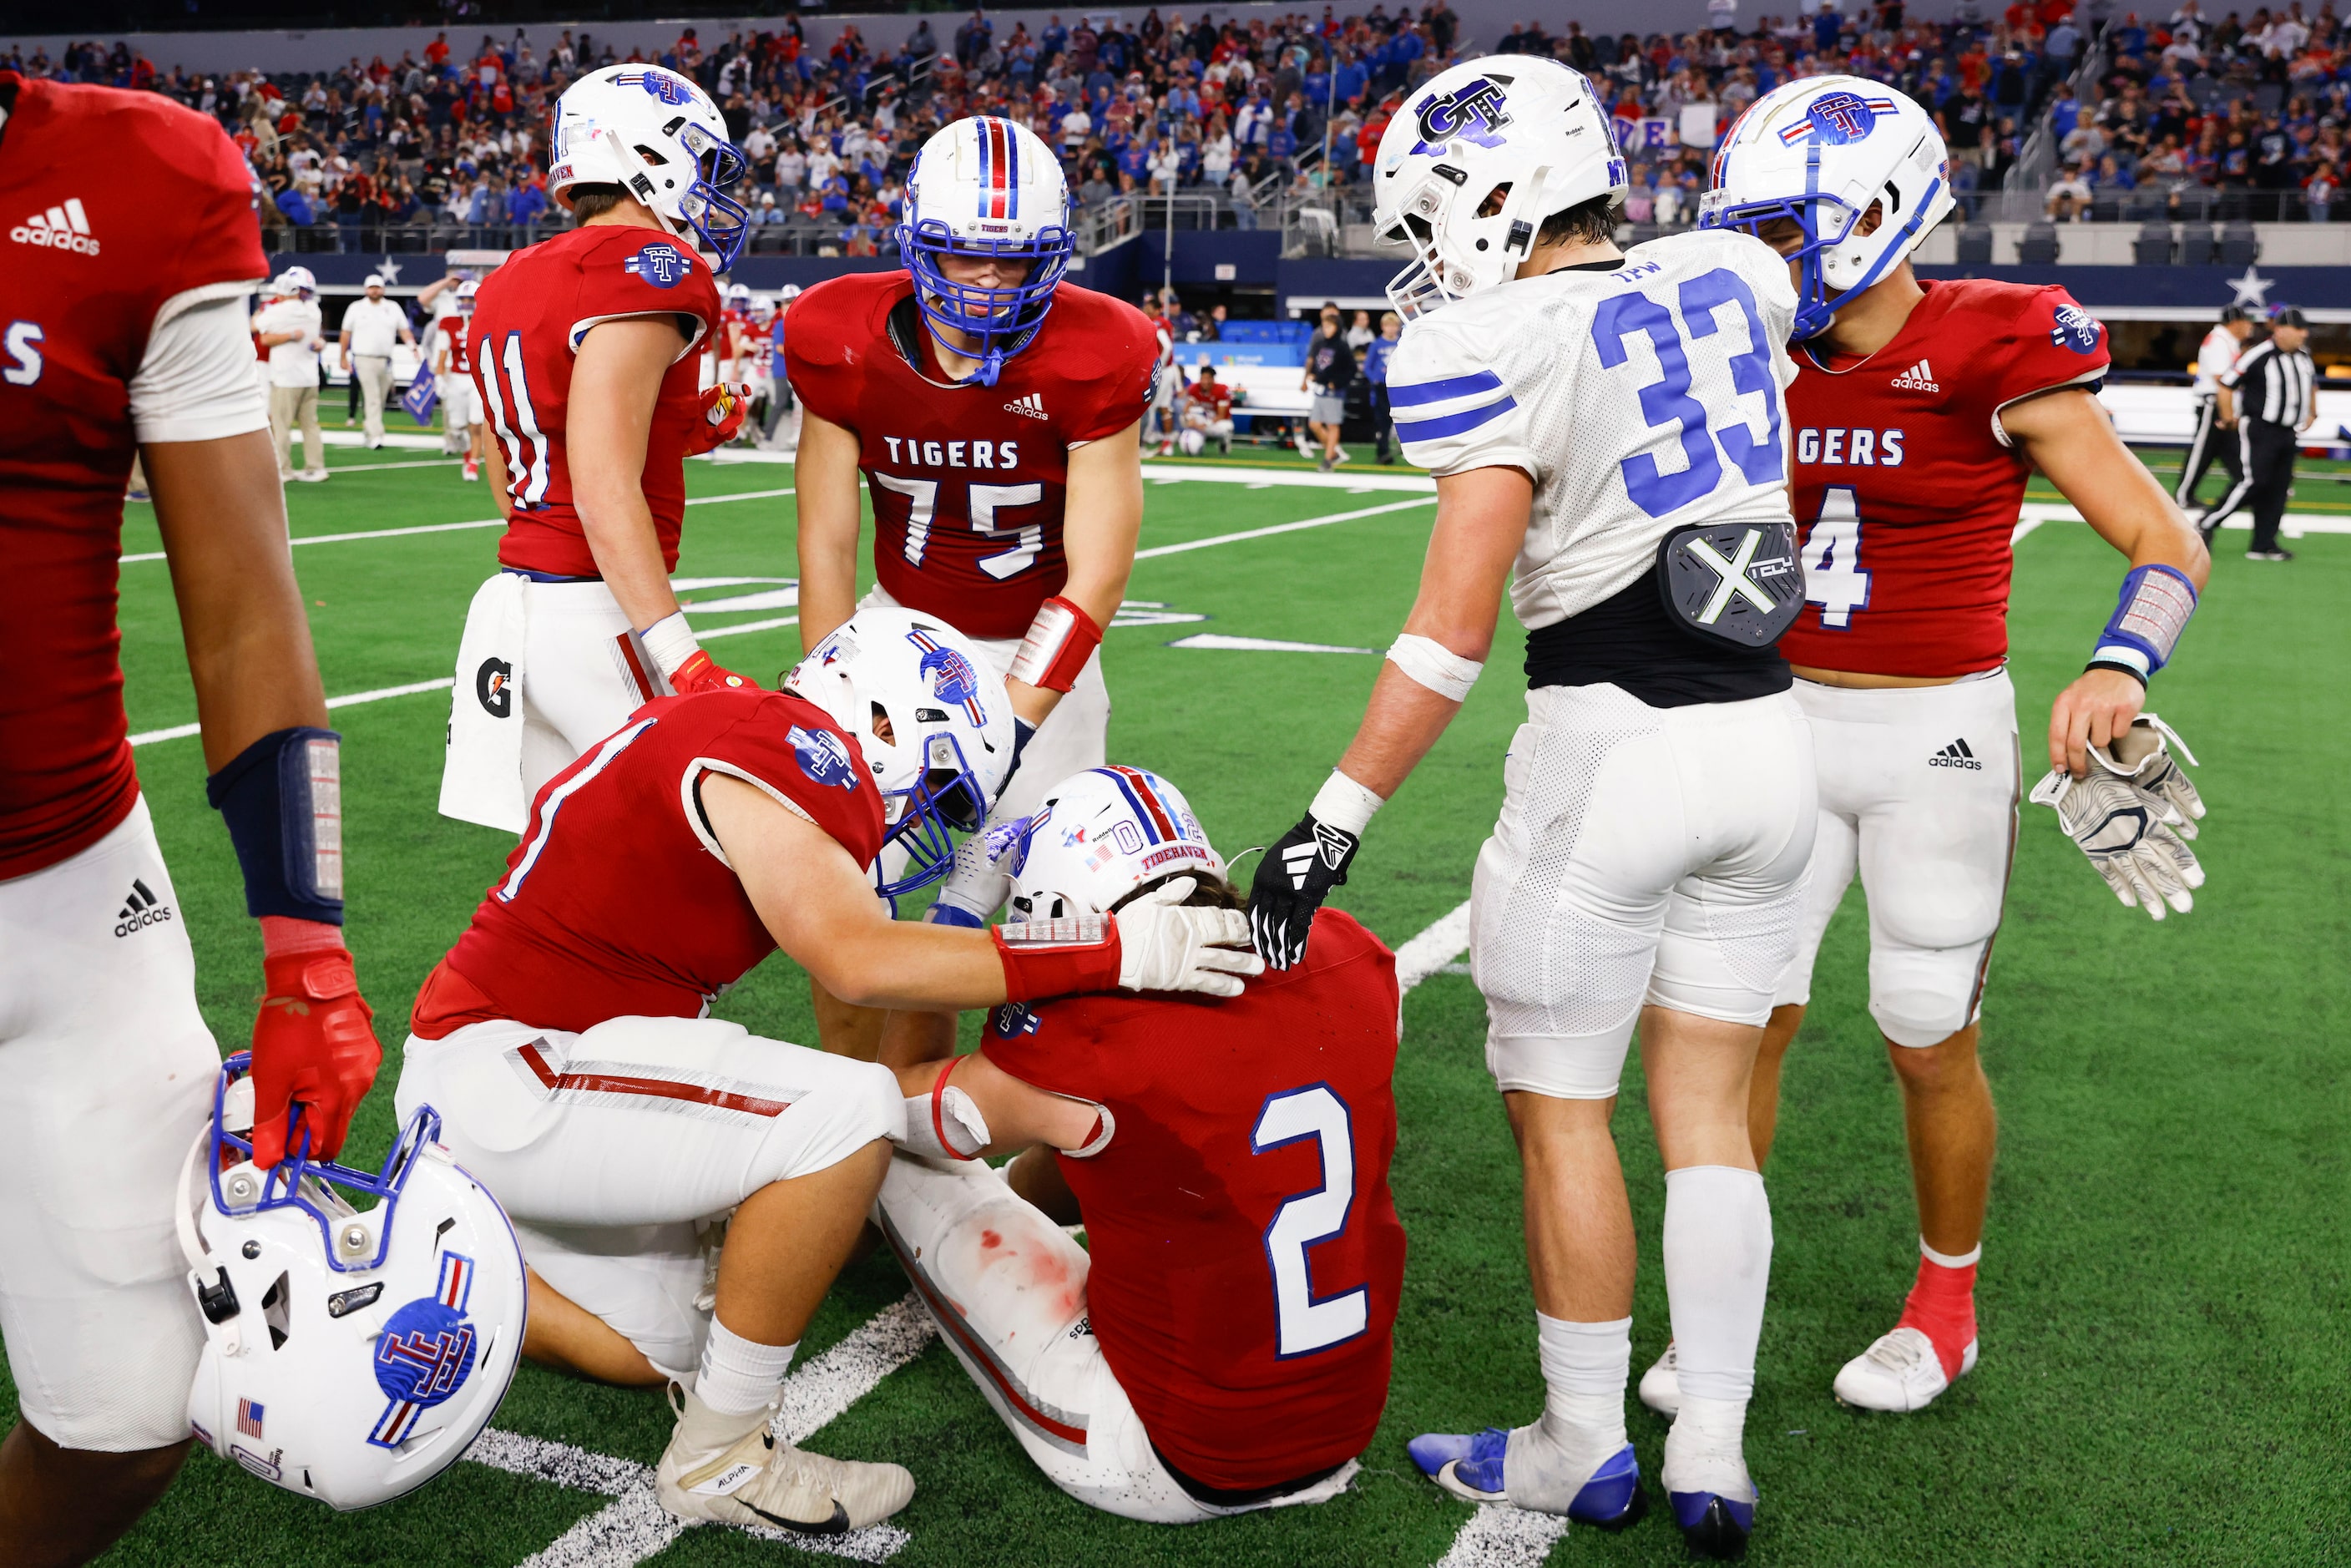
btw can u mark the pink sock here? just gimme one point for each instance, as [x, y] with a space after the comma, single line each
[1942, 1305]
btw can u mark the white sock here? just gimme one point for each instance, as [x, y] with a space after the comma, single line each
[1718, 1267]
[1585, 1367]
[740, 1375]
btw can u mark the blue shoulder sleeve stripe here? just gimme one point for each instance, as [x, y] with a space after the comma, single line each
[1445, 390]
[1452, 423]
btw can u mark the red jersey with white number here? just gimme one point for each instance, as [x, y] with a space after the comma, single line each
[616, 904]
[968, 480]
[111, 204]
[1207, 401]
[734, 326]
[1906, 490]
[452, 336]
[1246, 1255]
[528, 319]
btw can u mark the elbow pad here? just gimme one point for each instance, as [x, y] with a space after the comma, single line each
[282, 801]
[2148, 619]
[1433, 665]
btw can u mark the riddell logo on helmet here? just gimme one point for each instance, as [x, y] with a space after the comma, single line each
[63, 228]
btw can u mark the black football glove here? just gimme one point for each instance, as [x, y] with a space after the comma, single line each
[1292, 880]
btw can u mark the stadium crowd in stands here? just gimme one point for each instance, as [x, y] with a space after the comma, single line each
[378, 155]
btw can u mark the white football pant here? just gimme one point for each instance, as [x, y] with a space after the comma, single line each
[1644, 855]
[1013, 1310]
[461, 409]
[106, 1079]
[613, 1148]
[1918, 788]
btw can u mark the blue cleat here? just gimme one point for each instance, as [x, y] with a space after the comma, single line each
[1714, 1526]
[1472, 1467]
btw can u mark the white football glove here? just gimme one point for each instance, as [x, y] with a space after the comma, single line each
[1164, 946]
[982, 877]
[2132, 816]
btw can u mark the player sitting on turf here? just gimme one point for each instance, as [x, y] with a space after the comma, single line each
[583, 349]
[1919, 411]
[1207, 412]
[564, 1037]
[1222, 1341]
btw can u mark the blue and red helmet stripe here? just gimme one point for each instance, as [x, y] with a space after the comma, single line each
[1160, 824]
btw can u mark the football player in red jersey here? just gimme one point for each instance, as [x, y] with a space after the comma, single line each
[1919, 411]
[585, 351]
[133, 250]
[1222, 1341]
[565, 1043]
[996, 412]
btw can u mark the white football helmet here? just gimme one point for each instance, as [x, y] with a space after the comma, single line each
[299, 282]
[1471, 166]
[931, 716]
[985, 186]
[465, 295]
[660, 138]
[1822, 152]
[1099, 836]
[350, 1355]
[738, 296]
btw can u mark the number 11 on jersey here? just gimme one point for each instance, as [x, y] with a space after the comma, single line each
[1832, 559]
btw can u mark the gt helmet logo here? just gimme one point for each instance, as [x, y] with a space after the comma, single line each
[658, 84]
[953, 681]
[1476, 113]
[1838, 119]
[424, 1354]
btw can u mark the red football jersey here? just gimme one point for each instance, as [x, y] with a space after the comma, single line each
[452, 335]
[113, 202]
[528, 319]
[967, 481]
[1246, 1255]
[1209, 400]
[1908, 492]
[732, 327]
[616, 904]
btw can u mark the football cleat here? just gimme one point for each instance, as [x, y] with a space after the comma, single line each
[1899, 1374]
[1712, 1495]
[1661, 1385]
[1470, 1467]
[731, 1469]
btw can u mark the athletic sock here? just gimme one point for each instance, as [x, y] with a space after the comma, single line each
[1942, 1304]
[1585, 1368]
[740, 1375]
[1717, 1246]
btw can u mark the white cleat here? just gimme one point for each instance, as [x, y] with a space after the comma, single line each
[731, 1469]
[1661, 1385]
[1899, 1374]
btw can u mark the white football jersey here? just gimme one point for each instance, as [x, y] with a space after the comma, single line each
[1640, 400]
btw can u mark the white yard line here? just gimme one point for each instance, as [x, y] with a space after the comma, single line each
[2035, 513]
[1347, 477]
[1429, 953]
[1284, 528]
[1498, 1536]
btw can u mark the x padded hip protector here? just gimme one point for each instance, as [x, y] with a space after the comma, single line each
[1732, 582]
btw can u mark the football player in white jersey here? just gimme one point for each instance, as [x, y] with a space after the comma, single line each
[1608, 436]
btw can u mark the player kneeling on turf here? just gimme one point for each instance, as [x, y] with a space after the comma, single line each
[564, 1037]
[1201, 1360]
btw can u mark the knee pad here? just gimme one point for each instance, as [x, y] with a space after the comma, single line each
[1563, 1067]
[1923, 996]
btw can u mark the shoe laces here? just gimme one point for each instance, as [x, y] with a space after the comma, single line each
[1898, 1352]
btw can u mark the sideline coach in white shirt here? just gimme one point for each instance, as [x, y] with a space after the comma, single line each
[370, 325]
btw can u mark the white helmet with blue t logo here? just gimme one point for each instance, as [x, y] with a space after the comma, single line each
[1475, 161]
[351, 1355]
[660, 138]
[985, 186]
[1822, 152]
[1100, 836]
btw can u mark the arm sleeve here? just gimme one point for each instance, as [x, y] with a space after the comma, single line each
[654, 275]
[1453, 411]
[2052, 343]
[196, 382]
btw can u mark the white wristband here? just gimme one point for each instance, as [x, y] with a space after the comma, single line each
[1434, 665]
[1344, 804]
[670, 642]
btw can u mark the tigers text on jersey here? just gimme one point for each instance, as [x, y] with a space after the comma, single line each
[967, 481]
[1638, 398]
[528, 319]
[617, 903]
[1247, 1254]
[111, 204]
[1907, 491]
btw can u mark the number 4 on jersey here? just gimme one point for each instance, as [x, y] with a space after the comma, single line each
[1832, 559]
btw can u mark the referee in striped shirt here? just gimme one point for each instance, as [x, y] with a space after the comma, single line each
[2269, 399]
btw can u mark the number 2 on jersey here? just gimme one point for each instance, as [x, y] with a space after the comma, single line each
[1304, 1325]
[1832, 559]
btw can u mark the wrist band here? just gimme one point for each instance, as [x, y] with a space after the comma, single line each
[670, 642]
[1344, 804]
[1058, 957]
[1058, 643]
[282, 802]
[945, 1123]
[2149, 616]
[1433, 665]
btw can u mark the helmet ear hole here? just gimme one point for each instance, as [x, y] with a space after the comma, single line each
[882, 729]
[276, 1310]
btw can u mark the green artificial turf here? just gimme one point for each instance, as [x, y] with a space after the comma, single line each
[2163, 1285]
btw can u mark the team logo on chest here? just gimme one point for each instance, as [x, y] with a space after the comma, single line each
[1836, 118]
[662, 265]
[1476, 114]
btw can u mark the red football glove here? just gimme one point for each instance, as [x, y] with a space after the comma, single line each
[312, 1045]
[723, 407]
[699, 674]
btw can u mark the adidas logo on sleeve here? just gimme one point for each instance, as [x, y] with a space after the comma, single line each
[141, 910]
[1956, 755]
[1919, 377]
[62, 228]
